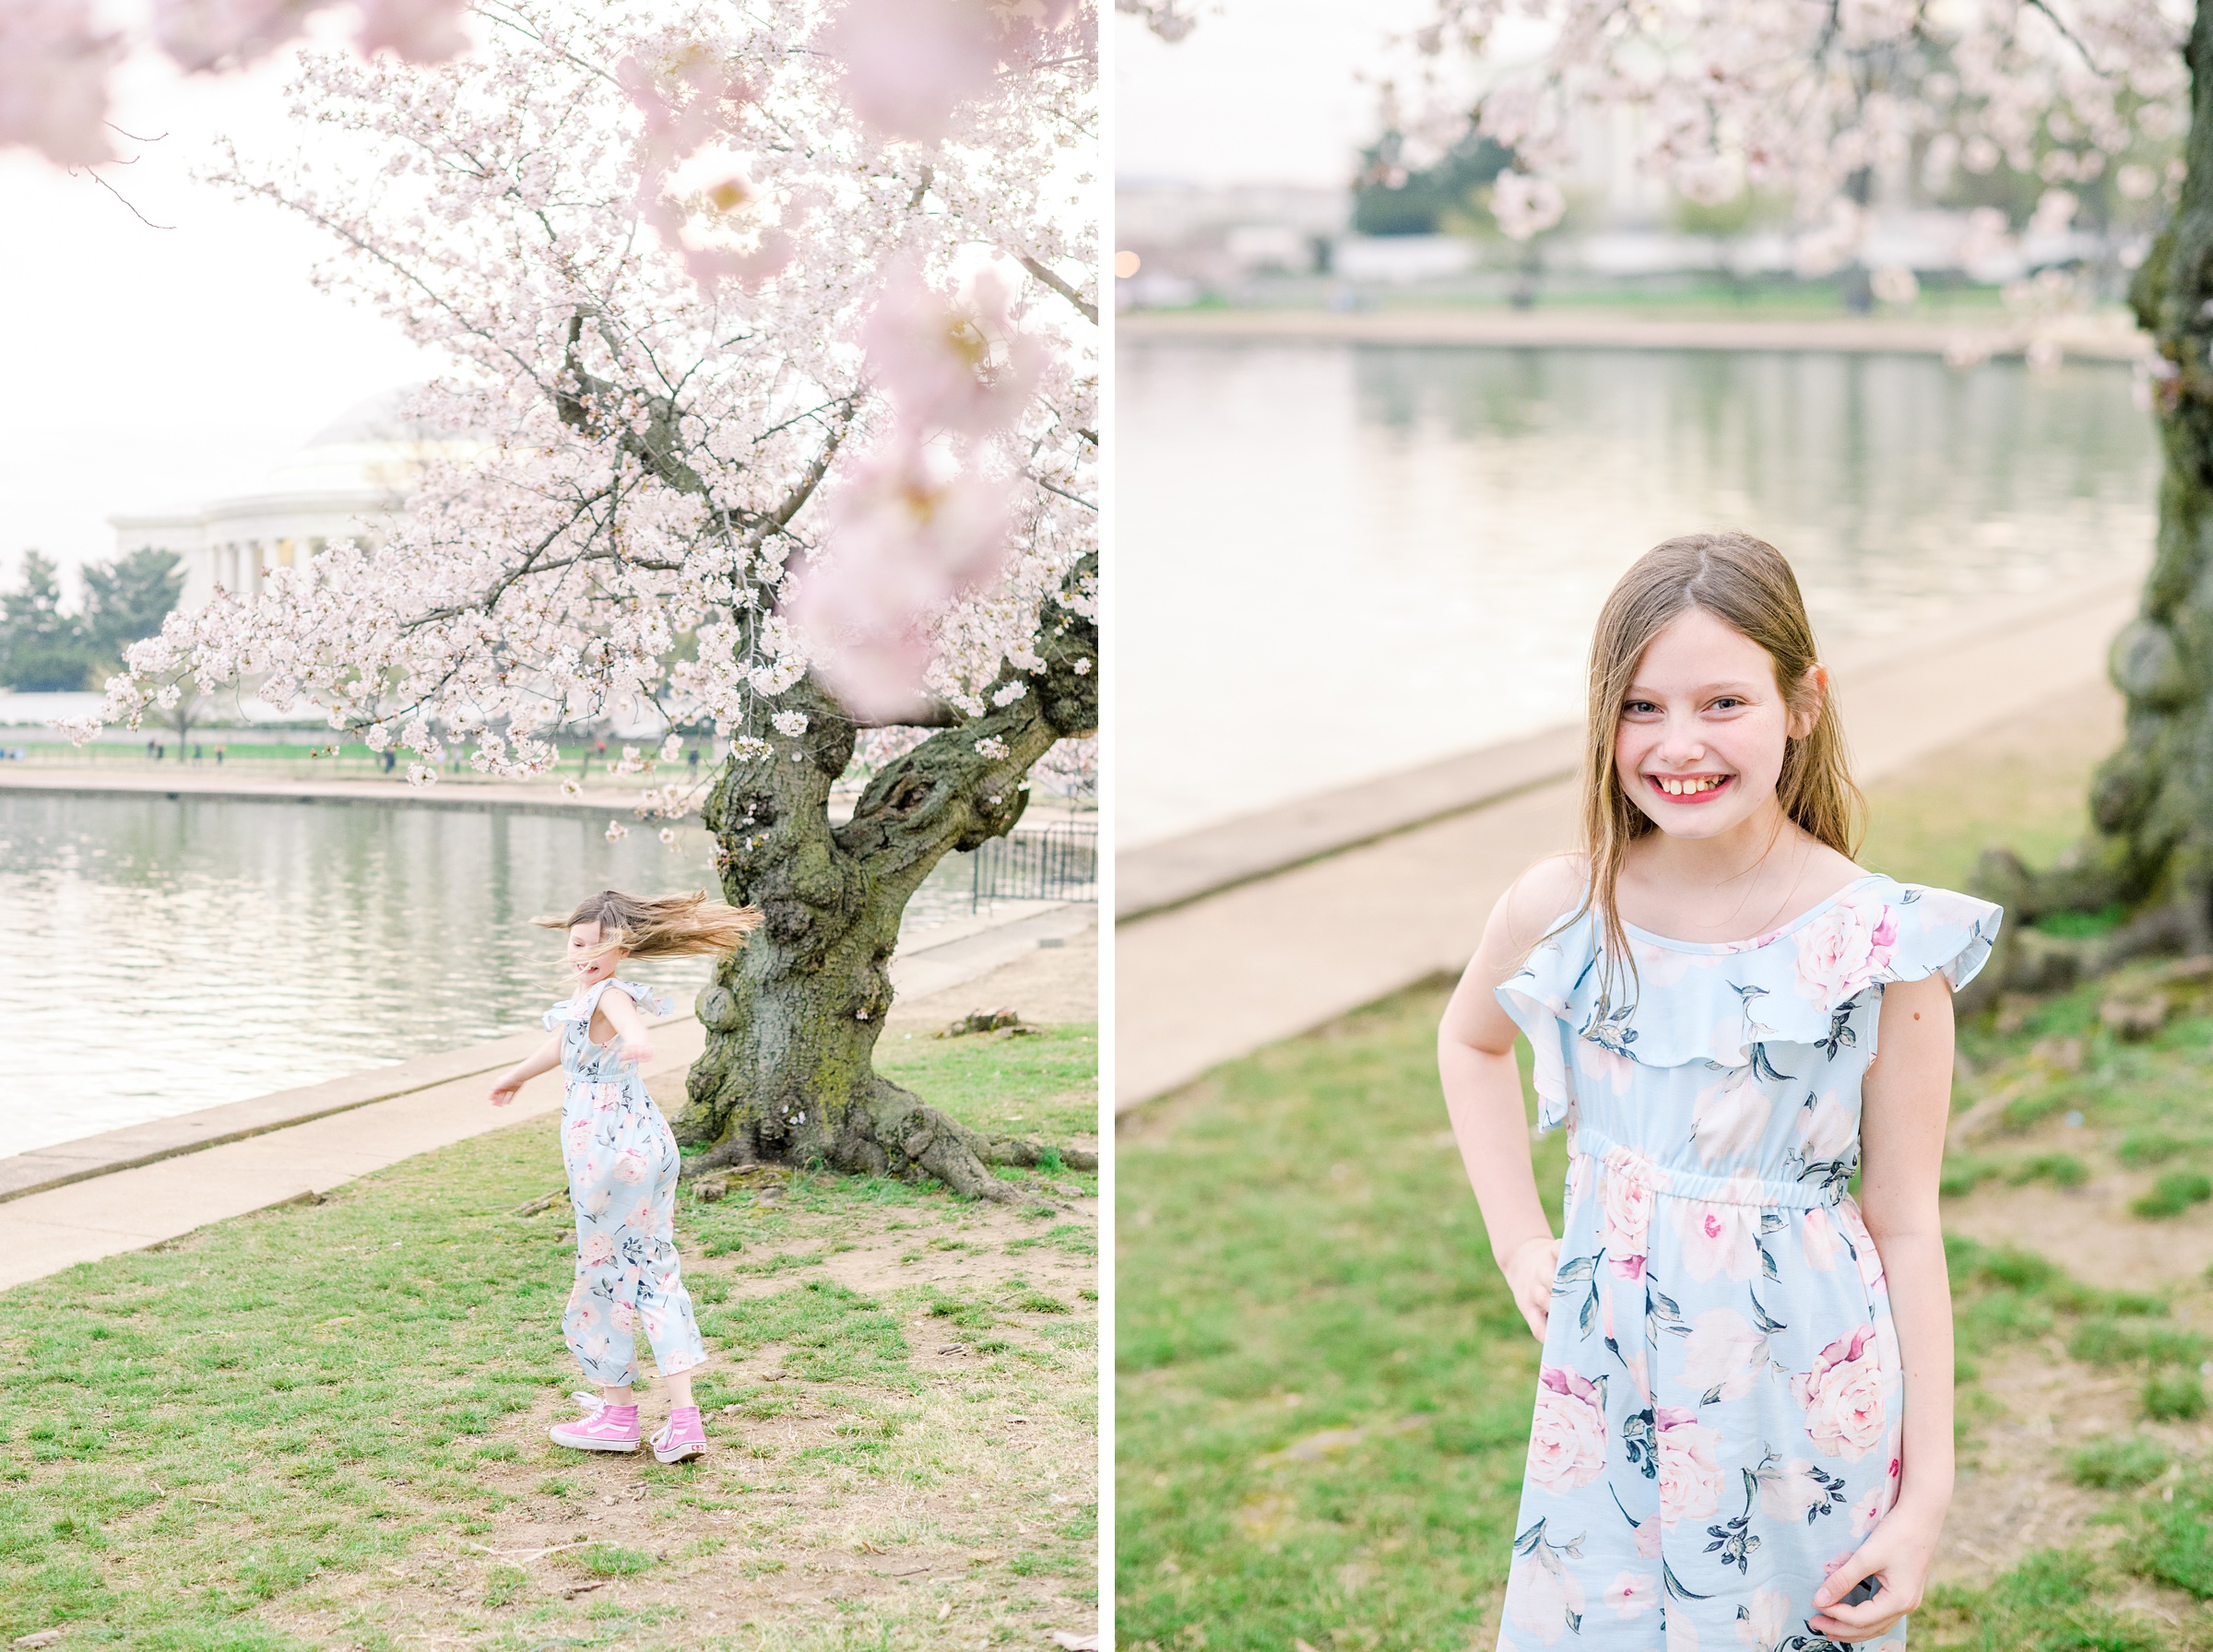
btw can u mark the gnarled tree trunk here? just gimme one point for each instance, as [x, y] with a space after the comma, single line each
[792, 1020]
[2152, 800]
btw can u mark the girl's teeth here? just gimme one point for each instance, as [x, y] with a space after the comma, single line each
[1681, 789]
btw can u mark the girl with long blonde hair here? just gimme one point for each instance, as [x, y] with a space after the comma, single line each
[622, 1163]
[1743, 1432]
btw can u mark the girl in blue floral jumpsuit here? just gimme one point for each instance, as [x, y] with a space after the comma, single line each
[623, 1163]
[1742, 1425]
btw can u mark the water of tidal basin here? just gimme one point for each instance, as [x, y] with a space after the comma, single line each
[1335, 561]
[165, 956]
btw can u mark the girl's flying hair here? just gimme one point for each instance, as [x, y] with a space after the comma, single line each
[1745, 584]
[673, 926]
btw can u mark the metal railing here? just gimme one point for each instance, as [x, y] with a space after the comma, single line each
[1058, 862]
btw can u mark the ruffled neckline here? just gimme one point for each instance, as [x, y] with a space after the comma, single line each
[1758, 941]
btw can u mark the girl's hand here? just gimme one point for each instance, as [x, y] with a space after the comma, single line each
[505, 1090]
[1897, 1555]
[1530, 1268]
[635, 1049]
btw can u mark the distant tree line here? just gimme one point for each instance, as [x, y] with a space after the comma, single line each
[45, 647]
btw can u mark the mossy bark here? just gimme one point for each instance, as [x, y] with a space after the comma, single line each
[2151, 803]
[792, 1020]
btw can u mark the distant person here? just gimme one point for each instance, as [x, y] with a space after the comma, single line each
[622, 1163]
[390, 759]
[160, 751]
[218, 757]
[693, 756]
[153, 752]
[1706, 985]
[195, 752]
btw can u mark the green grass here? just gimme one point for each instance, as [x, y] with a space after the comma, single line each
[231, 1424]
[2172, 1194]
[2117, 1464]
[1040, 1084]
[1301, 1261]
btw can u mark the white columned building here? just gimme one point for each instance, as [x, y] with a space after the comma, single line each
[350, 481]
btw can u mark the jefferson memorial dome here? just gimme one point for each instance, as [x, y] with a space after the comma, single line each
[350, 481]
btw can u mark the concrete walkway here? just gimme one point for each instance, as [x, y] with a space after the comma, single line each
[126, 1189]
[1208, 977]
[2106, 336]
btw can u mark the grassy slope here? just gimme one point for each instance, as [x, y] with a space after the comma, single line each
[1325, 1393]
[237, 1440]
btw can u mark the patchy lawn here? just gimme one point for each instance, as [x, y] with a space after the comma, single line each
[325, 1425]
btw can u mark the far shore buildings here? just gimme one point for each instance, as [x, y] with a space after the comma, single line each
[350, 480]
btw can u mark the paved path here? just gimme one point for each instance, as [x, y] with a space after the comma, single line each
[1276, 954]
[450, 792]
[172, 1181]
[2104, 336]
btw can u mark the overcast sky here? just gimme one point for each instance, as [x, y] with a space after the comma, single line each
[155, 367]
[1262, 91]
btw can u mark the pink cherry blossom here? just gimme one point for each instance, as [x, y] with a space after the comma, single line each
[417, 31]
[947, 364]
[55, 63]
[905, 536]
[909, 64]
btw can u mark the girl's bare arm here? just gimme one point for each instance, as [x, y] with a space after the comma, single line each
[543, 1059]
[621, 1011]
[1905, 1098]
[1483, 1087]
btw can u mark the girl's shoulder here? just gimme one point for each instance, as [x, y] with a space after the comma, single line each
[1535, 904]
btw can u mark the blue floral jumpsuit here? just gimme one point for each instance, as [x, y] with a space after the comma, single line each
[623, 1166]
[1718, 1408]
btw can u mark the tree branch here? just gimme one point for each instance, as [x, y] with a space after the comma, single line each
[1090, 310]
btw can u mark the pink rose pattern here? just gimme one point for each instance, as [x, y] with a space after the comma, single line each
[622, 1163]
[1718, 1407]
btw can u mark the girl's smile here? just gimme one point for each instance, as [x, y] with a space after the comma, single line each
[1688, 789]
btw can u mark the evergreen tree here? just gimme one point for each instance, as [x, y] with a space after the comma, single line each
[42, 648]
[128, 597]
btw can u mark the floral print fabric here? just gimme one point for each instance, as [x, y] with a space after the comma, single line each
[1717, 1419]
[622, 1163]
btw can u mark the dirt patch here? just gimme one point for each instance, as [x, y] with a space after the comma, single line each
[949, 1498]
[2104, 1243]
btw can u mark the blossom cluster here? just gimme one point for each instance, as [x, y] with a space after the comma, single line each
[1814, 101]
[760, 373]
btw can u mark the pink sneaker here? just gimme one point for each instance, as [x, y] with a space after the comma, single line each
[610, 1428]
[681, 1436]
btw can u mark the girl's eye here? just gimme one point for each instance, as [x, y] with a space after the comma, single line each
[1637, 708]
[1727, 703]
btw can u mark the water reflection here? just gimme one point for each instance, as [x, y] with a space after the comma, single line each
[168, 956]
[1335, 561]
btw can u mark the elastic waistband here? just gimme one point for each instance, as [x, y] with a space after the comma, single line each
[1614, 1159]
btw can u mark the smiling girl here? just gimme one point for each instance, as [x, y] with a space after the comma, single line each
[1744, 1424]
[622, 1163]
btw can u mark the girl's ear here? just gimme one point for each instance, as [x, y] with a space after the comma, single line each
[1808, 702]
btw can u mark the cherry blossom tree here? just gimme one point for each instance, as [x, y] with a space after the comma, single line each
[772, 325]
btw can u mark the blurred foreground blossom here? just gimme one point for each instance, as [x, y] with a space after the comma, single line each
[55, 63]
[906, 537]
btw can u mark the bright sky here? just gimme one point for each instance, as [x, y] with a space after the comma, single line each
[146, 367]
[1262, 91]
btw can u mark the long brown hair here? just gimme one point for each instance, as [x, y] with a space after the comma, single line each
[1745, 584]
[672, 926]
